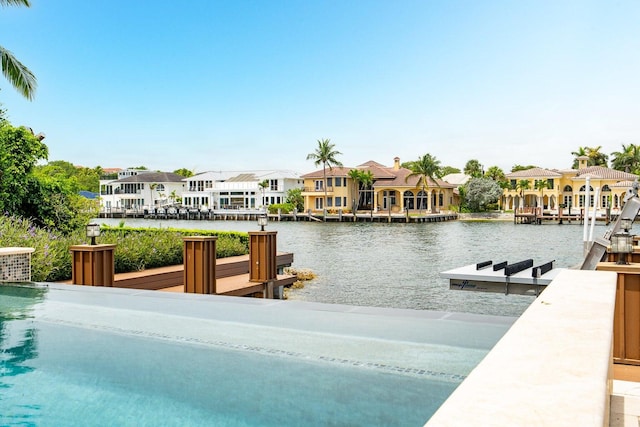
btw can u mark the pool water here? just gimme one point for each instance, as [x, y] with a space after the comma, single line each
[89, 356]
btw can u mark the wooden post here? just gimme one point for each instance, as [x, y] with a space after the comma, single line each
[262, 256]
[92, 265]
[200, 264]
[626, 322]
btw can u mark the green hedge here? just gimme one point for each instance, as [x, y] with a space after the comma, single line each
[137, 248]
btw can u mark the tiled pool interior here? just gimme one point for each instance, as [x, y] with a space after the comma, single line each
[74, 355]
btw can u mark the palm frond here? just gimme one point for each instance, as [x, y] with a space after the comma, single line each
[20, 77]
[15, 3]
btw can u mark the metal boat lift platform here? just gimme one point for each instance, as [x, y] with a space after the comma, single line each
[489, 277]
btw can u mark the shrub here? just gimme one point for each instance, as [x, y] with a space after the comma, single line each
[285, 208]
[51, 260]
[137, 248]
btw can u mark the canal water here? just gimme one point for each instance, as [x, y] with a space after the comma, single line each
[399, 265]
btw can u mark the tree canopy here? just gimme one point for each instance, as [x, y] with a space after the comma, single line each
[596, 158]
[480, 193]
[627, 159]
[473, 168]
[48, 199]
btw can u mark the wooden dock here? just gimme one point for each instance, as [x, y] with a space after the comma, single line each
[232, 278]
[253, 214]
[529, 215]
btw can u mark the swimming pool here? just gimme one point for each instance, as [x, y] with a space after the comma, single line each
[72, 355]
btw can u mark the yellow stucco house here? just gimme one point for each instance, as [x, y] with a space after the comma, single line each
[566, 189]
[391, 191]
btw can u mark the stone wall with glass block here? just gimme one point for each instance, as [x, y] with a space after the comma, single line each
[15, 264]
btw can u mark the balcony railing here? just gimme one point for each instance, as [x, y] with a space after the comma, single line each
[317, 190]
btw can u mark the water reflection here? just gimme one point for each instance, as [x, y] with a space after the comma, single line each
[18, 339]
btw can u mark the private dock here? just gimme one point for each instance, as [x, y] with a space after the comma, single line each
[532, 215]
[232, 278]
[253, 214]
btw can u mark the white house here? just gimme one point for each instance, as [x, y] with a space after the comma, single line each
[139, 189]
[238, 189]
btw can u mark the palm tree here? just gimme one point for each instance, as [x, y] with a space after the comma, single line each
[596, 158]
[628, 159]
[366, 179]
[20, 77]
[325, 155]
[541, 184]
[523, 185]
[263, 187]
[473, 168]
[495, 173]
[426, 168]
[355, 175]
[153, 187]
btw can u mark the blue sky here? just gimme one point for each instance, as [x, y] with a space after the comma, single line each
[233, 85]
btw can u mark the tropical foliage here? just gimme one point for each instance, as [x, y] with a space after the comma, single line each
[426, 168]
[517, 168]
[473, 168]
[20, 77]
[295, 197]
[627, 159]
[596, 158]
[83, 178]
[184, 172]
[48, 196]
[325, 155]
[362, 181]
[446, 170]
[263, 185]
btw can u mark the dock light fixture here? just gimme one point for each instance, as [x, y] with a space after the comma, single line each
[93, 231]
[622, 242]
[262, 221]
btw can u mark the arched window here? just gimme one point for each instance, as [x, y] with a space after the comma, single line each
[408, 199]
[567, 189]
[605, 188]
[583, 188]
[421, 200]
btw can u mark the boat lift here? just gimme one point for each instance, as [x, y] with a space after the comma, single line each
[598, 248]
[522, 277]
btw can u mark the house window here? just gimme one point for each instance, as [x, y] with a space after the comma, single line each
[338, 202]
[329, 202]
[329, 182]
[319, 185]
[318, 203]
[344, 201]
[550, 183]
[273, 184]
[513, 184]
[338, 181]
[568, 201]
[160, 187]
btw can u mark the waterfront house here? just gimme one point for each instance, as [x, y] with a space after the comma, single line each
[140, 189]
[566, 189]
[391, 190]
[238, 189]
